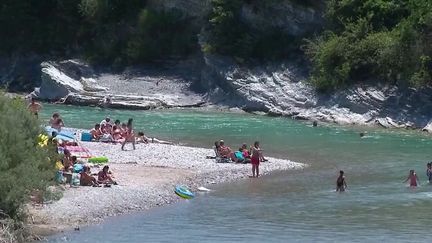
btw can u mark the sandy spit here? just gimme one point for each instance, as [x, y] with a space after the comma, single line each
[146, 178]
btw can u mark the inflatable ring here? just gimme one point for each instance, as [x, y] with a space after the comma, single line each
[183, 192]
[98, 160]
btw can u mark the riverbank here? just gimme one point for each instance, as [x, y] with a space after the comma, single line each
[146, 178]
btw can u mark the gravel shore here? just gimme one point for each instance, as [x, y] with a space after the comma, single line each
[146, 178]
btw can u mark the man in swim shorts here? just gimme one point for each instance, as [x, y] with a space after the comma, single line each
[34, 107]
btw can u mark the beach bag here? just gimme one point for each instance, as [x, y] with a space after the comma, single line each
[75, 179]
[86, 137]
[59, 178]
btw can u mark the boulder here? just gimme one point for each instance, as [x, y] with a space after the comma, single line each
[428, 127]
[56, 84]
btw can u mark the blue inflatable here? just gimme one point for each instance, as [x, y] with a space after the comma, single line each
[63, 135]
[183, 192]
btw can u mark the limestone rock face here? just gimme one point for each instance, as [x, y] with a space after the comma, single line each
[282, 89]
[74, 82]
[60, 79]
[428, 127]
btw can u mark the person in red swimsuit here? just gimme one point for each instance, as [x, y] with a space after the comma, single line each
[255, 158]
[412, 177]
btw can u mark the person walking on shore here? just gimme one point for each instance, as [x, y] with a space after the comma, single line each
[341, 184]
[255, 158]
[34, 107]
[129, 135]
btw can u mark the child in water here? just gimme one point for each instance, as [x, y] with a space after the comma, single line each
[340, 182]
[412, 177]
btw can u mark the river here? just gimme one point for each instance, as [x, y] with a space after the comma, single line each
[290, 206]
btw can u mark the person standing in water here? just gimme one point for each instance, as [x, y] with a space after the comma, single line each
[34, 107]
[341, 184]
[256, 155]
[412, 177]
[429, 172]
[129, 134]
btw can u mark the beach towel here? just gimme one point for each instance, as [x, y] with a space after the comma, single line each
[76, 149]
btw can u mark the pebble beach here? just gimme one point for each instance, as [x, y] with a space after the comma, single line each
[146, 178]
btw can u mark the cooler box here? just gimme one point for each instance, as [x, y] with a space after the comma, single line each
[86, 137]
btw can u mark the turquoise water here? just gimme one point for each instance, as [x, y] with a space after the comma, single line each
[292, 206]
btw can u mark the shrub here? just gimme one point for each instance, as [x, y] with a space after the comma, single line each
[369, 40]
[24, 166]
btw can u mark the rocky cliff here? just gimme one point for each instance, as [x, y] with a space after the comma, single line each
[275, 88]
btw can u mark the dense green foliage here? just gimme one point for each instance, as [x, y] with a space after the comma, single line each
[228, 35]
[118, 32]
[364, 40]
[24, 166]
[161, 34]
[389, 40]
[104, 31]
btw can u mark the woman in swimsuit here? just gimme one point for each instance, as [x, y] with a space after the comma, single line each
[340, 182]
[255, 158]
[129, 135]
[412, 177]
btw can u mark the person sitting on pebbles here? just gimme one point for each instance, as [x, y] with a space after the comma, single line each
[96, 133]
[225, 151]
[105, 177]
[142, 138]
[87, 179]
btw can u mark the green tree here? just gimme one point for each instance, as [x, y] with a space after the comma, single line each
[386, 40]
[24, 166]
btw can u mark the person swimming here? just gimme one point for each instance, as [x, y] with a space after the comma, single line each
[341, 184]
[412, 177]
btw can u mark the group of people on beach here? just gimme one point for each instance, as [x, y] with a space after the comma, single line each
[253, 155]
[106, 131]
[71, 165]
